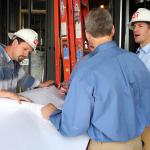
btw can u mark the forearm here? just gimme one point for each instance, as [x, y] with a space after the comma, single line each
[14, 96]
[148, 127]
[46, 83]
[48, 110]
[6, 94]
[28, 82]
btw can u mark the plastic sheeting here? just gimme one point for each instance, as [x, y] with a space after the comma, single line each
[23, 128]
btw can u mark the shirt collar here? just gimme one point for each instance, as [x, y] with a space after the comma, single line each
[4, 53]
[104, 46]
[145, 49]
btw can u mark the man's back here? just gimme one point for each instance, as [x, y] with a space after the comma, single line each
[111, 83]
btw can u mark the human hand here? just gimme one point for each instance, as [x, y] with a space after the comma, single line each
[48, 110]
[148, 127]
[25, 99]
[46, 83]
[63, 88]
[7, 94]
[18, 98]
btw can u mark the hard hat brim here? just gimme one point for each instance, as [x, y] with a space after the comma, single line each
[130, 25]
[10, 35]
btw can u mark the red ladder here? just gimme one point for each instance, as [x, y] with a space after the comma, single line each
[69, 35]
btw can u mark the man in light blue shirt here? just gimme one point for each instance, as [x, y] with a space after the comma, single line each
[144, 54]
[140, 24]
[108, 97]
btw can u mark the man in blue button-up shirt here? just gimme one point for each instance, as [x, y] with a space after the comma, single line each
[140, 23]
[108, 97]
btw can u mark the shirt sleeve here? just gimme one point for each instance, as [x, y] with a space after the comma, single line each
[75, 117]
[25, 80]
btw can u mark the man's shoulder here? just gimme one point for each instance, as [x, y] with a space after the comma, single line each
[2, 46]
[128, 55]
[1, 59]
[131, 60]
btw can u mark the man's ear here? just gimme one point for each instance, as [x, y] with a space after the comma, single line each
[88, 35]
[113, 31]
[15, 43]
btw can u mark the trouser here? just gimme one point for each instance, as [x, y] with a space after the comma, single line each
[134, 144]
[146, 139]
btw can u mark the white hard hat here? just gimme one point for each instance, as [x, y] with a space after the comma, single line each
[141, 15]
[28, 35]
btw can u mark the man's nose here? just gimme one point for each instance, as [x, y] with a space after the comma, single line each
[26, 54]
[135, 28]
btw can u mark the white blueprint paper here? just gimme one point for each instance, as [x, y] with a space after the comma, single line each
[23, 128]
[45, 95]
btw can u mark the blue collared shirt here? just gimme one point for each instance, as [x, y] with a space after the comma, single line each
[144, 55]
[12, 74]
[108, 98]
[78, 65]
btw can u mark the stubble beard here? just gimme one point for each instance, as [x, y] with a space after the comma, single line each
[20, 58]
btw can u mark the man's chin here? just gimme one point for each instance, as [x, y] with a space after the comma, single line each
[20, 60]
[137, 41]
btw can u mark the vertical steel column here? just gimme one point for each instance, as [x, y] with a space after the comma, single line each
[29, 26]
[7, 20]
[120, 24]
[20, 4]
[1, 20]
[115, 11]
[49, 72]
[145, 3]
[127, 28]
[29, 13]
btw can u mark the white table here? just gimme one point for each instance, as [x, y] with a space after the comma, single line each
[23, 128]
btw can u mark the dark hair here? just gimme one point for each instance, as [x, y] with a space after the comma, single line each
[16, 38]
[148, 23]
[99, 22]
